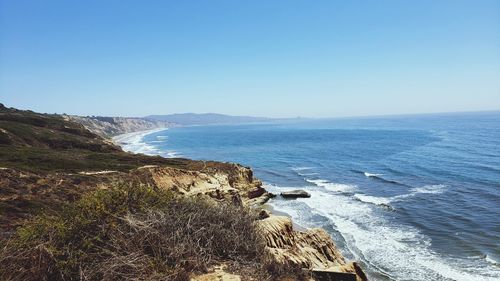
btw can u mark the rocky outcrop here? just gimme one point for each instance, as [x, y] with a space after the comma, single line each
[223, 182]
[312, 249]
[23, 193]
[112, 126]
[295, 194]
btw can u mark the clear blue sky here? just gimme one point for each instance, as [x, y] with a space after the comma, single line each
[263, 58]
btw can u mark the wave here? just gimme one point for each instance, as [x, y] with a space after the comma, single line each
[335, 187]
[398, 251]
[275, 174]
[307, 174]
[379, 177]
[371, 175]
[134, 142]
[430, 189]
[385, 201]
[382, 179]
[490, 260]
[302, 168]
[171, 154]
[381, 201]
[304, 171]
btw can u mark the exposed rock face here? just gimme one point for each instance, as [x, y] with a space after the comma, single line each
[112, 126]
[23, 193]
[226, 182]
[312, 249]
[295, 194]
[351, 267]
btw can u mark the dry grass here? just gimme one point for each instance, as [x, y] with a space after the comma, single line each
[136, 234]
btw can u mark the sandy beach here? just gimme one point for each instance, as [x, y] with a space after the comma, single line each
[132, 142]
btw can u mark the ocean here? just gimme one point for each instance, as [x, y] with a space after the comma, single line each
[410, 197]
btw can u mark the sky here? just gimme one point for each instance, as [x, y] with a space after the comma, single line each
[275, 58]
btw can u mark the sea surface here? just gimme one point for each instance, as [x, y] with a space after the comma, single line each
[410, 197]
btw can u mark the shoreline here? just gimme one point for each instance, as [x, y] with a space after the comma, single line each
[269, 207]
[132, 142]
[279, 227]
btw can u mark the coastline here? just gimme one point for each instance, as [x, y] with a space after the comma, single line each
[297, 227]
[287, 241]
[132, 142]
[362, 202]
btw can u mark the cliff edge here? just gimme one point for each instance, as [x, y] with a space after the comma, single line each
[112, 126]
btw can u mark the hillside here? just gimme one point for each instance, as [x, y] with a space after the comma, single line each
[50, 143]
[187, 119]
[112, 126]
[74, 206]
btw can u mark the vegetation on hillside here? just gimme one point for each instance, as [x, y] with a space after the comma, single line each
[48, 143]
[60, 224]
[135, 233]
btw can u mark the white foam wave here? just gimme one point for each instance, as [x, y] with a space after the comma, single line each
[134, 142]
[431, 189]
[398, 251]
[372, 175]
[171, 154]
[426, 189]
[490, 260]
[373, 199]
[302, 168]
[307, 174]
[335, 187]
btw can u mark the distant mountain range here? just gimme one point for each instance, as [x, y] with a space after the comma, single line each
[186, 119]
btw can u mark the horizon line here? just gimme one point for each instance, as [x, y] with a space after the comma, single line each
[294, 117]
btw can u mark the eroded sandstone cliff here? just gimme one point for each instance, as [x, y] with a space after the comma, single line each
[112, 126]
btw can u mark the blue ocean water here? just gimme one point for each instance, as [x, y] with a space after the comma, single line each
[410, 197]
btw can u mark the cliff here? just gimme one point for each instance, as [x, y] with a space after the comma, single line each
[72, 204]
[112, 126]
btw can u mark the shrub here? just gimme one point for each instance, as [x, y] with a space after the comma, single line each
[132, 233]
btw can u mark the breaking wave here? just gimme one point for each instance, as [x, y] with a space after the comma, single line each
[335, 187]
[379, 177]
[134, 142]
[383, 201]
[398, 251]
[302, 168]
[372, 175]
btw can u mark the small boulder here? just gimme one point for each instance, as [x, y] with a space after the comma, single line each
[256, 192]
[263, 214]
[295, 194]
